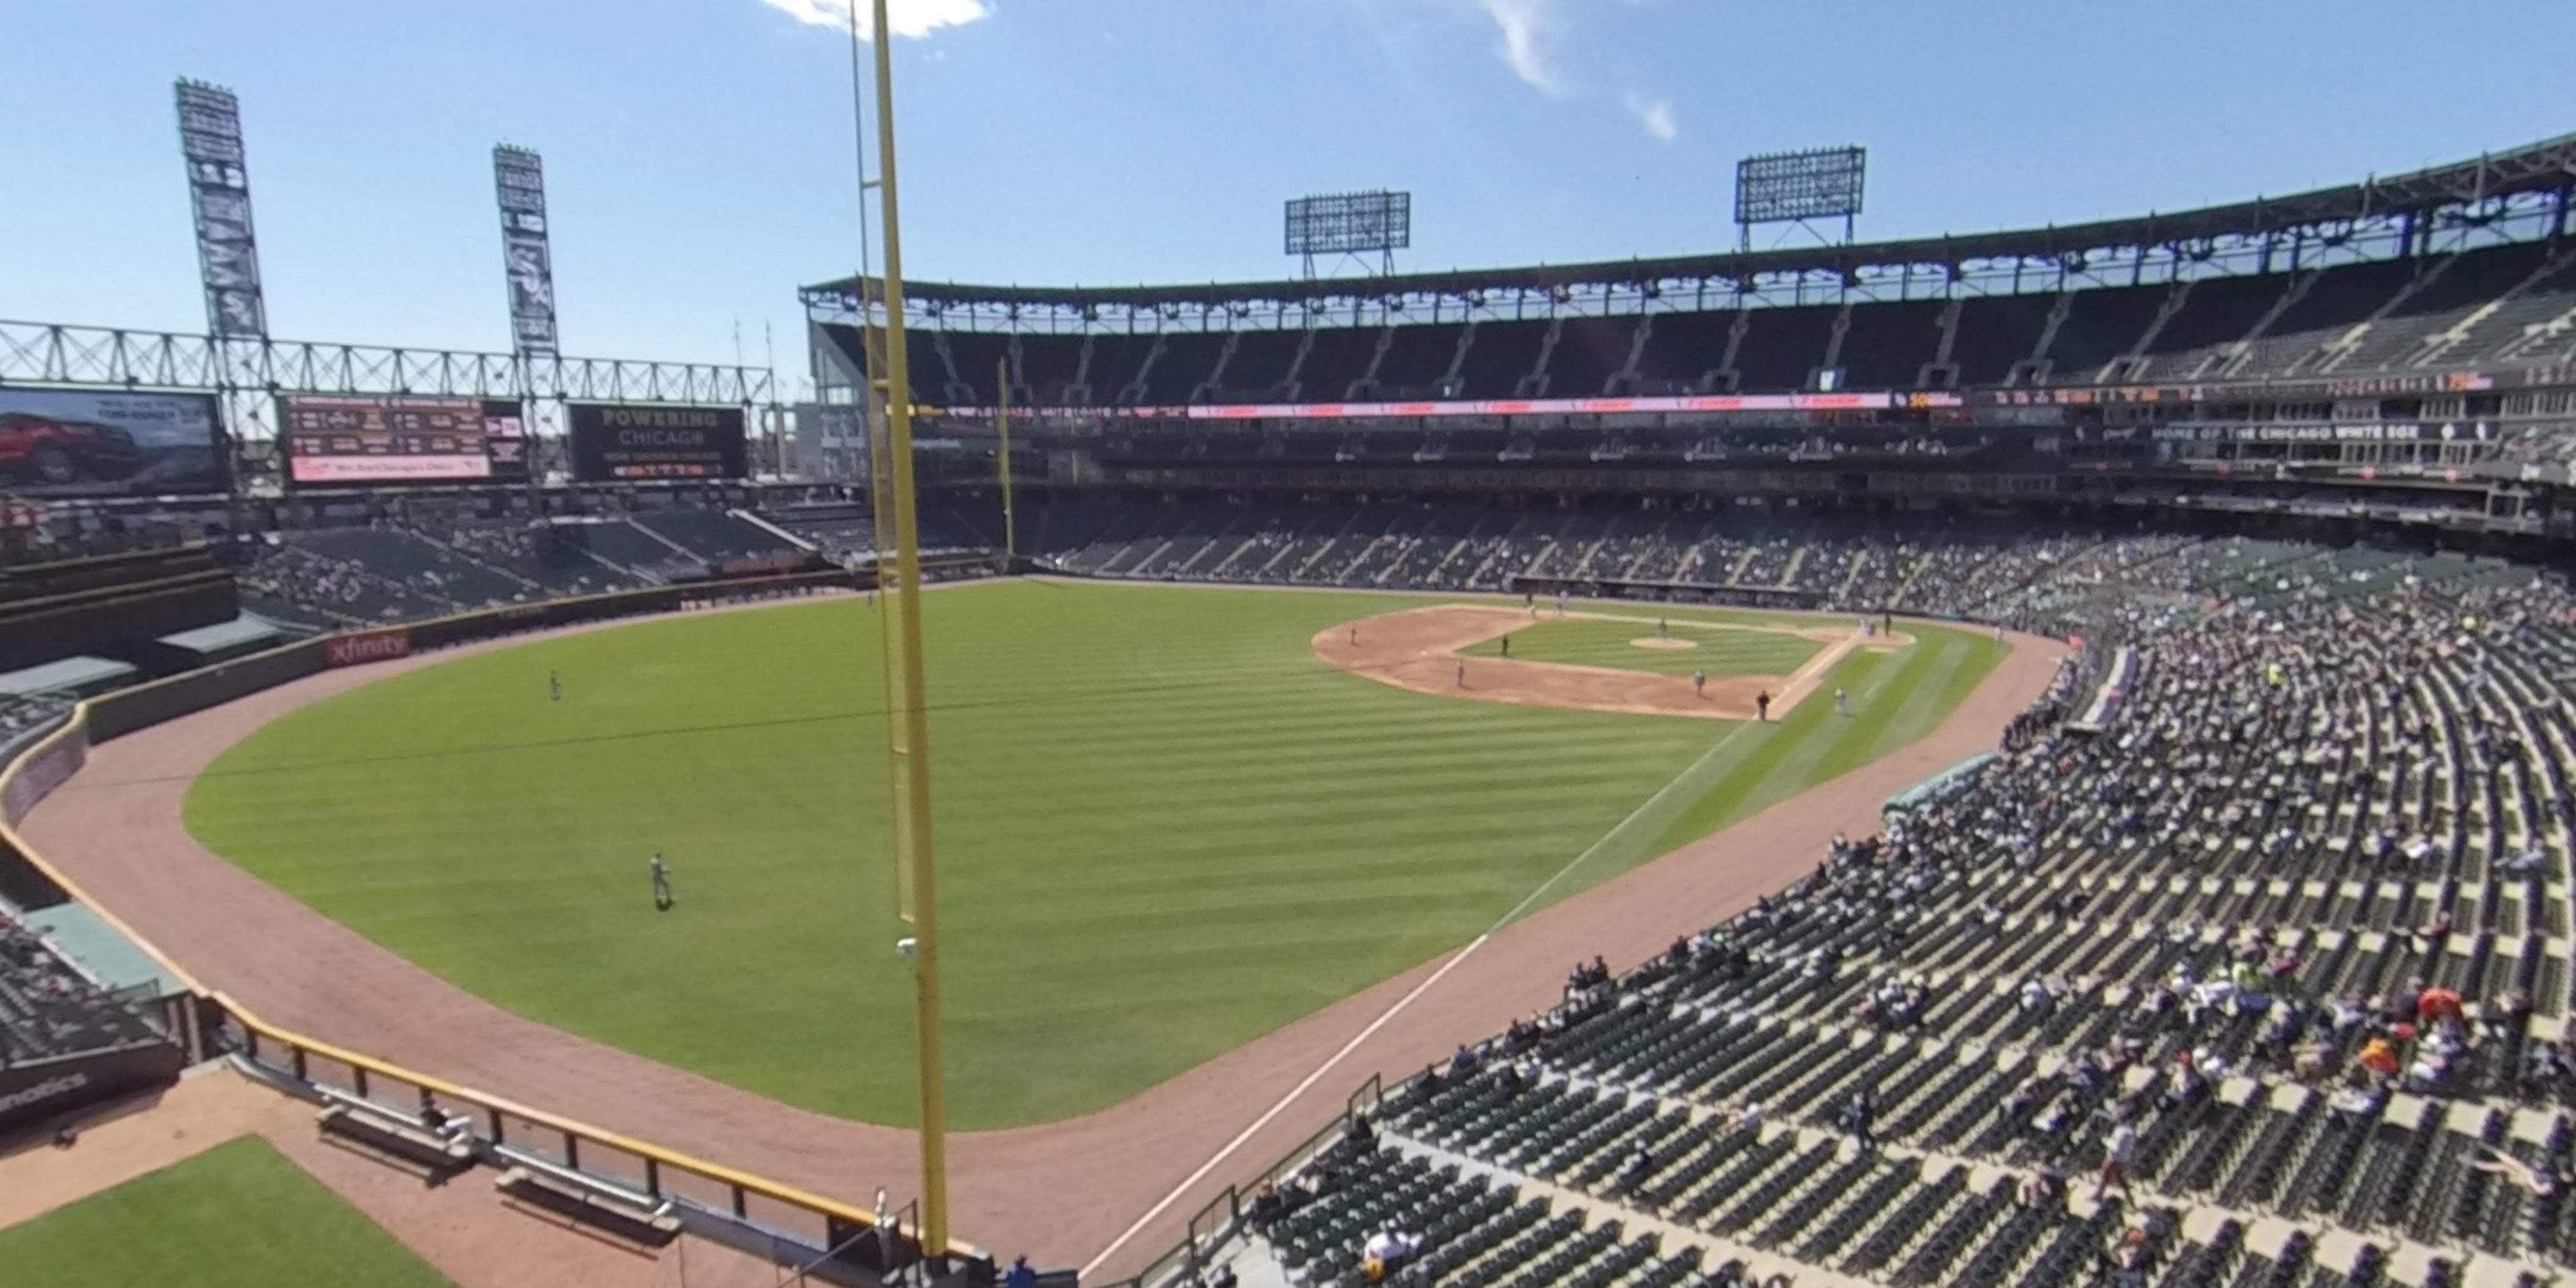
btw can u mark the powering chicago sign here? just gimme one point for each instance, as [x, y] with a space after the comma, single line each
[613, 441]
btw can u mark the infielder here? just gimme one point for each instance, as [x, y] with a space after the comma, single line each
[1462, 673]
[1842, 703]
[1560, 603]
[662, 896]
[1699, 683]
[1663, 629]
[1507, 646]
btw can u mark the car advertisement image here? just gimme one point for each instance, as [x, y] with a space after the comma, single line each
[77, 442]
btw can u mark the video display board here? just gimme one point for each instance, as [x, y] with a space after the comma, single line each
[334, 441]
[85, 442]
[625, 441]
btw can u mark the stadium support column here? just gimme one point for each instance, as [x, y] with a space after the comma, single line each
[1002, 426]
[905, 603]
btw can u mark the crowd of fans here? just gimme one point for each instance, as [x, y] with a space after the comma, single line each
[426, 563]
[48, 1007]
[2129, 925]
[20, 712]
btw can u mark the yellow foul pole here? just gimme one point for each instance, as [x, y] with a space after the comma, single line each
[905, 602]
[1002, 425]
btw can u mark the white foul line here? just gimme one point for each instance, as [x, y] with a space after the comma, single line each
[1284, 1101]
[1400, 1003]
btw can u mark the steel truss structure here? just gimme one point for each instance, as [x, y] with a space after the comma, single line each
[52, 353]
[2523, 195]
[247, 373]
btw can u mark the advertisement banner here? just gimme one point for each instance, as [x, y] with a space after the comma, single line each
[363, 647]
[2376, 432]
[623, 441]
[1873, 400]
[80, 442]
[41, 1090]
[346, 442]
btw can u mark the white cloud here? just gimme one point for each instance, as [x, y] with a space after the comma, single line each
[1529, 30]
[909, 18]
[1655, 114]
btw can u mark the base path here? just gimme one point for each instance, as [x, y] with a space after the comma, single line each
[1423, 649]
[1062, 1192]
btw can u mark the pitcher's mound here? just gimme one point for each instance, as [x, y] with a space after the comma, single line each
[1666, 644]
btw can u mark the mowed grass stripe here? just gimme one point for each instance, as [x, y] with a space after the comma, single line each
[1820, 745]
[1164, 828]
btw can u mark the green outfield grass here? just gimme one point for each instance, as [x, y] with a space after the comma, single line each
[1164, 829]
[1588, 641]
[237, 1216]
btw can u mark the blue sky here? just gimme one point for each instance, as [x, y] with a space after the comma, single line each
[699, 153]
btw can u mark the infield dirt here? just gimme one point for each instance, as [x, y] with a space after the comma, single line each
[1420, 649]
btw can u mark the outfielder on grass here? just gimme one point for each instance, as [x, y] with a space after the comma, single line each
[662, 896]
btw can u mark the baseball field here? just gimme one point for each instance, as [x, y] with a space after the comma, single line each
[1166, 823]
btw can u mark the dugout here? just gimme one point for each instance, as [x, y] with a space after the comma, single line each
[79, 677]
[223, 641]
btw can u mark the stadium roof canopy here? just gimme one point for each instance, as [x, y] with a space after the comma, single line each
[2541, 167]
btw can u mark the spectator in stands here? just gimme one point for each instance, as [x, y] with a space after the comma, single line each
[2354, 1104]
[1267, 1206]
[1641, 1163]
[1358, 1132]
[1467, 1060]
[2378, 1057]
[1858, 1118]
[2119, 1150]
[2042, 1188]
[2036, 1000]
[2190, 1087]
[2130, 1258]
[1386, 1254]
[2544, 1181]
[2506, 1018]
[2548, 1070]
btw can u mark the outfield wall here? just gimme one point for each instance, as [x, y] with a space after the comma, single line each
[825, 1238]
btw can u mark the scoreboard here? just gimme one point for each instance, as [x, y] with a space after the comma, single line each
[367, 441]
